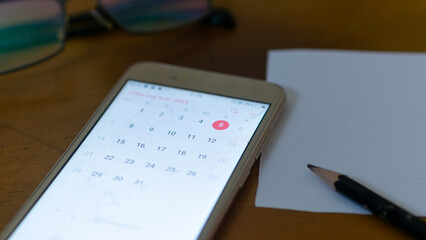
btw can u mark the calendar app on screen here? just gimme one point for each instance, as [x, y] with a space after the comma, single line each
[152, 167]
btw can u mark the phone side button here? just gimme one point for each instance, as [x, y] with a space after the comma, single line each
[263, 145]
[244, 179]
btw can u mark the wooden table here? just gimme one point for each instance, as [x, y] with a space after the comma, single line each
[42, 108]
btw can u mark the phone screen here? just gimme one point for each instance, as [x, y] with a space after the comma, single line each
[152, 167]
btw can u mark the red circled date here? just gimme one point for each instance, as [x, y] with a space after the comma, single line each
[220, 125]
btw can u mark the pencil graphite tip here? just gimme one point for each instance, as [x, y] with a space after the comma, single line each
[311, 167]
[327, 176]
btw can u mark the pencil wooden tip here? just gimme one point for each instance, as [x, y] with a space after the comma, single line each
[327, 176]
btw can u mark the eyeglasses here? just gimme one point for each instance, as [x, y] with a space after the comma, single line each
[34, 30]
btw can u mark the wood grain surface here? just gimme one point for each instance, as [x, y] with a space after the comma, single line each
[42, 108]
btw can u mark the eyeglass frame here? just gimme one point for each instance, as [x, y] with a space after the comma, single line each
[103, 21]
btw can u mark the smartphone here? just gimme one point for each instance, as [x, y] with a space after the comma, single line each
[161, 158]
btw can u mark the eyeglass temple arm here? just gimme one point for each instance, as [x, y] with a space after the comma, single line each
[88, 23]
[94, 22]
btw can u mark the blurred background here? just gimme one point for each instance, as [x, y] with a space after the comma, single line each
[43, 107]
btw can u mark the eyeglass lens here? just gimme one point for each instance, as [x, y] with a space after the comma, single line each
[29, 32]
[154, 15]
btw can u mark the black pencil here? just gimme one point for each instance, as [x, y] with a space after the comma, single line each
[379, 206]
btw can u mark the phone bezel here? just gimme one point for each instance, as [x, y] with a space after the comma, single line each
[196, 80]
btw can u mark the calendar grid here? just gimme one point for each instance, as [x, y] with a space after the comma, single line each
[158, 156]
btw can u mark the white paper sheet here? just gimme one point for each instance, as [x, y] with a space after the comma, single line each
[358, 113]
